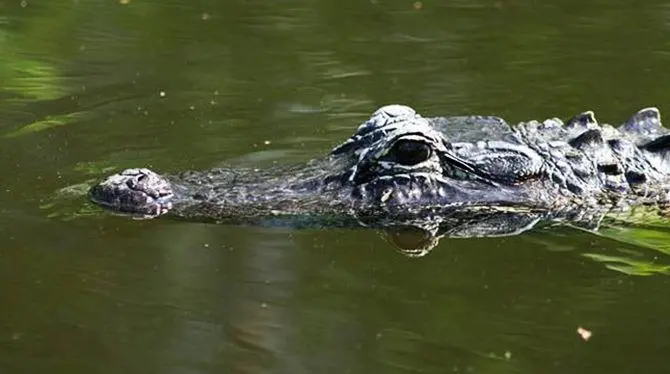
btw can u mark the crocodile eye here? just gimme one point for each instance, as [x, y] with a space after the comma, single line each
[410, 152]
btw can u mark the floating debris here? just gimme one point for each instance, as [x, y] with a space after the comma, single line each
[584, 333]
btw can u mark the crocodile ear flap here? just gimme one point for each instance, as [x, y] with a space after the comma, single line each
[585, 120]
[645, 121]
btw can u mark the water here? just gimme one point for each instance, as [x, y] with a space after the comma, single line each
[92, 87]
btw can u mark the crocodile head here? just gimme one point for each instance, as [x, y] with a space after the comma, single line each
[397, 162]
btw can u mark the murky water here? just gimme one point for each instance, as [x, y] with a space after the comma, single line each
[91, 87]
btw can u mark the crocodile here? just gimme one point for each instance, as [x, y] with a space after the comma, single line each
[400, 168]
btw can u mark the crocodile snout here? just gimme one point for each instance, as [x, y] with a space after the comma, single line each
[136, 191]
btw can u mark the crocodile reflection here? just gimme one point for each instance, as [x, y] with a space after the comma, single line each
[417, 237]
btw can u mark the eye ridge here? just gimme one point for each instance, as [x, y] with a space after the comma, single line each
[410, 152]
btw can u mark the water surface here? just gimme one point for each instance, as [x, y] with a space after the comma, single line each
[92, 87]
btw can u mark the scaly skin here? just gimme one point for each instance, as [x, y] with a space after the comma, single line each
[400, 166]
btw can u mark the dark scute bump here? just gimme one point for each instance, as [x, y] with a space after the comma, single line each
[635, 177]
[574, 188]
[587, 139]
[617, 144]
[610, 169]
[658, 145]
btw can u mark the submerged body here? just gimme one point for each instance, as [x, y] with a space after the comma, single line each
[400, 167]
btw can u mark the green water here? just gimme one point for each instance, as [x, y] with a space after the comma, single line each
[90, 87]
